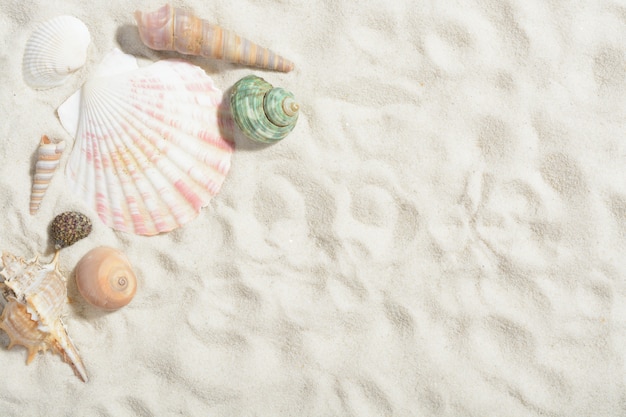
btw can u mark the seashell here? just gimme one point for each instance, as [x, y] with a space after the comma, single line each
[57, 48]
[48, 158]
[105, 278]
[36, 295]
[152, 146]
[263, 113]
[174, 29]
[68, 228]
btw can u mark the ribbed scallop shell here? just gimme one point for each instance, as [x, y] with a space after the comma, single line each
[36, 296]
[57, 48]
[264, 113]
[48, 157]
[151, 146]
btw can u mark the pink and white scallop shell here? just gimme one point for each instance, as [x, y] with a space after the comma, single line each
[152, 143]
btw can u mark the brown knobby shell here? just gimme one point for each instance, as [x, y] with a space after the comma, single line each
[68, 228]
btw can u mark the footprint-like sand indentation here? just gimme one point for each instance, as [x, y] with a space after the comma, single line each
[446, 48]
[495, 139]
[563, 174]
[617, 206]
[363, 397]
[399, 317]
[372, 217]
[609, 70]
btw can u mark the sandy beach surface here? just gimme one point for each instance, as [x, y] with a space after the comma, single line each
[442, 234]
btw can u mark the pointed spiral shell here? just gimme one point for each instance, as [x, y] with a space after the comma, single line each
[263, 113]
[48, 158]
[105, 278]
[174, 29]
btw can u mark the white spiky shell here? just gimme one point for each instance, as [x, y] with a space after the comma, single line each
[152, 146]
[57, 48]
[36, 295]
[48, 157]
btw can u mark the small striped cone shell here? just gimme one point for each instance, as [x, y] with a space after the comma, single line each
[263, 113]
[174, 29]
[48, 158]
[151, 148]
[36, 295]
[56, 49]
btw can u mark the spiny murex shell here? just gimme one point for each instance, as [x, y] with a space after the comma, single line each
[48, 157]
[35, 296]
[105, 278]
[152, 146]
[174, 29]
[263, 113]
[57, 48]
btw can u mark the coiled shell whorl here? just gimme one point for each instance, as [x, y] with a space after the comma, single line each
[264, 113]
[105, 278]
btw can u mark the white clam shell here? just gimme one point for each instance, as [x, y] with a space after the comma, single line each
[151, 146]
[57, 48]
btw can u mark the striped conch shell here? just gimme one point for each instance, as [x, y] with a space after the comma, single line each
[174, 29]
[264, 113]
[35, 295]
[48, 157]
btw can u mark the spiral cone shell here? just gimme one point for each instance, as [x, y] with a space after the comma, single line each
[263, 113]
[49, 155]
[174, 29]
[36, 295]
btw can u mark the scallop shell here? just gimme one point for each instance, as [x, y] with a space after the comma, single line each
[263, 113]
[174, 29]
[152, 146]
[57, 48]
[105, 278]
[36, 295]
[48, 158]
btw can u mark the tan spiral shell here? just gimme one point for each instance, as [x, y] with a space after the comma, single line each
[105, 278]
[174, 29]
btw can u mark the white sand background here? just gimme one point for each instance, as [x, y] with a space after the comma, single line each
[443, 234]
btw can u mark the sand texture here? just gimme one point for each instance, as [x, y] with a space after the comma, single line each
[443, 233]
